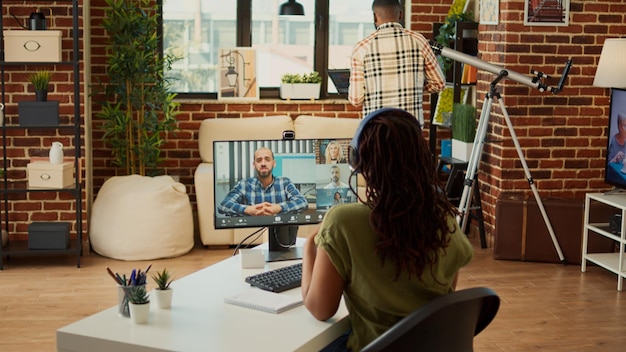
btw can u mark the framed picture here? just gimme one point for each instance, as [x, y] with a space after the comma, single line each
[546, 13]
[489, 11]
[237, 74]
[445, 103]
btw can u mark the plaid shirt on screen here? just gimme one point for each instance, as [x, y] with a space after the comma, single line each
[250, 191]
[393, 67]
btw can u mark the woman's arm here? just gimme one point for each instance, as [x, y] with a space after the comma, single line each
[322, 286]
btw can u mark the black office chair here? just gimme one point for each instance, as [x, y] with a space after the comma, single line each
[447, 323]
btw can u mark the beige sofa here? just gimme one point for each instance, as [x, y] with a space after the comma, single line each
[271, 127]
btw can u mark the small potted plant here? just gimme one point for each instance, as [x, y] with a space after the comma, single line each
[139, 304]
[463, 130]
[163, 292]
[300, 86]
[40, 80]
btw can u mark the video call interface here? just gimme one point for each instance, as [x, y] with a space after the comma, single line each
[318, 168]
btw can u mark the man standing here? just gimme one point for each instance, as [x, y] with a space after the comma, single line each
[264, 194]
[393, 66]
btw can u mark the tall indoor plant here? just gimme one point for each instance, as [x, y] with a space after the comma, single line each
[139, 108]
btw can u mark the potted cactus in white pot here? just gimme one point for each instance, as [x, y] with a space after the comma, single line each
[139, 304]
[163, 292]
[300, 86]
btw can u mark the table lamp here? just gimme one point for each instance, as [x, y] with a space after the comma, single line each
[611, 72]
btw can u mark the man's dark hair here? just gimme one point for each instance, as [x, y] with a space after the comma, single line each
[387, 3]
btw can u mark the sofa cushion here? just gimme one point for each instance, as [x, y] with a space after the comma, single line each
[311, 127]
[270, 127]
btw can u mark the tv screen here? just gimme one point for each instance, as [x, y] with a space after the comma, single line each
[280, 184]
[615, 173]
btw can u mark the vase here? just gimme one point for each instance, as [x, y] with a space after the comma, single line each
[163, 298]
[56, 153]
[139, 313]
[41, 95]
[122, 300]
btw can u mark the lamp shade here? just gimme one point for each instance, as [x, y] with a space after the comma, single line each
[611, 72]
[291, 8]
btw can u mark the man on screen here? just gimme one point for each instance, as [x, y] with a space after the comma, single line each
[264, 194]
[335, 179]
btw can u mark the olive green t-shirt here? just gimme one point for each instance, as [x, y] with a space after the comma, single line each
[374, 300]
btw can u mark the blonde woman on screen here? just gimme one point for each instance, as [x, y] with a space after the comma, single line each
[334, 153]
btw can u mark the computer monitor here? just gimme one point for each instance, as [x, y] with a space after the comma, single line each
[615, 166]
[312, 175]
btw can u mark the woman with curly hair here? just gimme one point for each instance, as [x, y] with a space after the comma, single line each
[395, 250]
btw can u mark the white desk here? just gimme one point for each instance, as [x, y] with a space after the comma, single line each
[200, 321]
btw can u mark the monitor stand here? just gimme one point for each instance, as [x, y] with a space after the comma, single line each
[281, 243]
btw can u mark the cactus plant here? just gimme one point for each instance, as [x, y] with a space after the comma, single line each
[163, 279]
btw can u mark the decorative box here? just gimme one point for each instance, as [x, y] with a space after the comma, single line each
[49, 235]
[42, 174]
[38, 113]
[32, 46]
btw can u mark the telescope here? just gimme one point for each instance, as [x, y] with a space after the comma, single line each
[536, 82]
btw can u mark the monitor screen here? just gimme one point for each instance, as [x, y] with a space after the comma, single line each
[615, 172]
[308, 177]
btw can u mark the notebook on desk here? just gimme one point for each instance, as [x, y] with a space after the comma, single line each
[264, 300]
[341, 79]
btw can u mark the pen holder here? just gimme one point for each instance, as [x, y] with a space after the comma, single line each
[122, 299]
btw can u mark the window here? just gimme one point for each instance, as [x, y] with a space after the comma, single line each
[323, 38]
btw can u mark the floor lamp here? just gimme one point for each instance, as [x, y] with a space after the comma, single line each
[536, 82]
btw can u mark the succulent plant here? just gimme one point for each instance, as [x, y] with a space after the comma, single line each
[138, 295]
[313, 77]
[163, 279]
[40, 79]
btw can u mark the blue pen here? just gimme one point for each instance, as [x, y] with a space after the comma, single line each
[133, 280]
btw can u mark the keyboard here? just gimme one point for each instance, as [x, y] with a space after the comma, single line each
[278, 280]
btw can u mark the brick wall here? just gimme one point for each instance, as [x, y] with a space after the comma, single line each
[562, 136]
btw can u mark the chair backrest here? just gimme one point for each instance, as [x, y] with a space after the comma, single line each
[447, 323]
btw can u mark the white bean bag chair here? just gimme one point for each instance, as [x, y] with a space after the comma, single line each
[141, 218]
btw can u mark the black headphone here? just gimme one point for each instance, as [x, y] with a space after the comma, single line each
[353, 155]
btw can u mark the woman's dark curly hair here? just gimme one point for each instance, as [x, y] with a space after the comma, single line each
[409, 211]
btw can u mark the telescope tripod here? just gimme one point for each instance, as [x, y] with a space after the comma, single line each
[477, 149]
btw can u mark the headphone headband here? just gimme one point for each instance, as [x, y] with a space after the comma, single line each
[353, 156]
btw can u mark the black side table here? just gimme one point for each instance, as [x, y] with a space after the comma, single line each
[454, 190]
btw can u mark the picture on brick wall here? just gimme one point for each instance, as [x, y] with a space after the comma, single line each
[237, 74]
[546, 12]
[489, 11]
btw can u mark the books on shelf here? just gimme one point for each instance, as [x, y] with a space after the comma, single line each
[266, 301]
[469, 74]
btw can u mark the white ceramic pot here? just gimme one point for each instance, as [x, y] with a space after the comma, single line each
[139, 313]
[56, 153]
[163, 298]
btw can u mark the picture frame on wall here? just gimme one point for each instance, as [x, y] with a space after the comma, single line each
[445, 104]
[546, 13]
[489, 11]
[237, 75]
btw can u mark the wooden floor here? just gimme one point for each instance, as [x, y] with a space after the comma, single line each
[545, 307]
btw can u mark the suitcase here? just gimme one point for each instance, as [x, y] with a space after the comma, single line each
[521, 232]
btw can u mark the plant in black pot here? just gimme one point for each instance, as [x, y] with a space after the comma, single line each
[40, 80]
